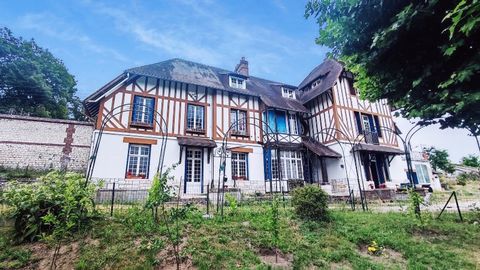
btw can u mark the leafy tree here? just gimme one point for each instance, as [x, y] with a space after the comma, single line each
[471, 160]
[34, 82]
[439, 160]
[420, 55]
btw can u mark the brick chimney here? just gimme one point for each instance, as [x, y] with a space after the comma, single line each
[242, 67]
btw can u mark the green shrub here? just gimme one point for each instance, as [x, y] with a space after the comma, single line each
[59, 203]
[463, 178]
[310, 202]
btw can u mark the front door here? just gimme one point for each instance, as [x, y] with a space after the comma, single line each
[193, 171]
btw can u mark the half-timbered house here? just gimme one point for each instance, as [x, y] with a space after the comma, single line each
[274, 133]
[363, 131]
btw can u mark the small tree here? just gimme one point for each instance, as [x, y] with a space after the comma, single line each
[274, 225]
[439, 160]
[159, 194]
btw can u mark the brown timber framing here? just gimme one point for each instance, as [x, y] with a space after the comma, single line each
[166, 95]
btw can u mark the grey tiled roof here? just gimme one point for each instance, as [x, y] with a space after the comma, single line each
[328, 72]
[195, 73]
[270, 92]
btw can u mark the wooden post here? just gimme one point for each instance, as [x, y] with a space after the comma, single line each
[208, 199]
[458, 206]
[113, 199]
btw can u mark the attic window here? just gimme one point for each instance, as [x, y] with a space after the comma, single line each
[288, 93]
[350, 82]
[236, 82]
[317, 82]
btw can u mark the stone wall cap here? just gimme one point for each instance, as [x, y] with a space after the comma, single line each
[47, 120]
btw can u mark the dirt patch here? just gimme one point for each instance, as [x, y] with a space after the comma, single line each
[276, 258]
[168, 261]
[388, 257]
[42, 256]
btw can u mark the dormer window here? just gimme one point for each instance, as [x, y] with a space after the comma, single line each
[315, 83]
[288, 93]
[236, 82]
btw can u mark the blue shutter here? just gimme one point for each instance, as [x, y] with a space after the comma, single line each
[415, 178]
[372, 125]
[271, 121]
[377, 126]
[267, 163]
[380, 164]
[359, 123]
[281, 121]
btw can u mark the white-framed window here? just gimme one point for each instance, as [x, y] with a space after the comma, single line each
[239, 166]
[238, 121]
[143, 108]
[422, 174]
[366, 123]
[138, 161]
[236, 82]
[195, 118]
[193, 165]
[291, 165]
[293, 124]
[288, 93]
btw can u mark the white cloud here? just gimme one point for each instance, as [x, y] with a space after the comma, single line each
[53, 26]
[203, 31]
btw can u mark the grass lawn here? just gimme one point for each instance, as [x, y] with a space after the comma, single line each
[133, 240]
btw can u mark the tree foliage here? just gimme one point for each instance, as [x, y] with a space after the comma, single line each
[471, 160]
[439, 160]
[423, 56]
[34, 82]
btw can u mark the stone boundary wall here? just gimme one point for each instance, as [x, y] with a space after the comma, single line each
[43, 143]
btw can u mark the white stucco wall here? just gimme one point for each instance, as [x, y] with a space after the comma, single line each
[112, 161]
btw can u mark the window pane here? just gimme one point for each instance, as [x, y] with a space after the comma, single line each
[138, 160]
[233, 119]
[190, 116]
[197, 170]
[133, 149]
[199, 117]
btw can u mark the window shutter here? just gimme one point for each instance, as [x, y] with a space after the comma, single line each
[267, 163]
[372, 126]
[359, 123]
[377, 126]
[281, 121]
[271, 121]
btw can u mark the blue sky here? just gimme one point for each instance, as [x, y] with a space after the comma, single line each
[97, 40]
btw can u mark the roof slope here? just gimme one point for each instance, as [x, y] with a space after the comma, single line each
[328, 72]
[199, 74]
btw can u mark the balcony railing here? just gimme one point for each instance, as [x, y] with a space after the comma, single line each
[371, 137]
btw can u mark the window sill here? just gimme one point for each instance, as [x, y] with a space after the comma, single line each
[239, 179]
[141, 125]
[195, 131]
[233, 134]
[136, 177]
